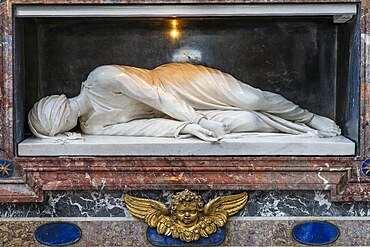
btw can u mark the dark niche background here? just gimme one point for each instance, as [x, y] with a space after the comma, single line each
[309, 60]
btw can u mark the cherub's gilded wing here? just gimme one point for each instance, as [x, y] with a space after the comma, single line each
[220, 208]
[149, 210]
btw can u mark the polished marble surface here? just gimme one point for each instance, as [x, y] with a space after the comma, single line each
[240, 231]
[111, 204]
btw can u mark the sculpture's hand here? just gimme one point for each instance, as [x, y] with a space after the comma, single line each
[218, 128]
[200, 132]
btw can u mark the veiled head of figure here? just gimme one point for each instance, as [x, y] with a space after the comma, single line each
[186, 208]
[51, 115]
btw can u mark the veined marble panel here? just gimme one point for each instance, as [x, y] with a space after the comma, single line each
[111, 204]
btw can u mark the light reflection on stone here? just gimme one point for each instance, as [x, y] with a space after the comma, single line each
[174, 33]
[187, 55]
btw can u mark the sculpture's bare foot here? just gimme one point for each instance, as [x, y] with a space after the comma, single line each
[218, 128]
[325, 126]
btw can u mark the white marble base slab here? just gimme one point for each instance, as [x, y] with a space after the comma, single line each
[249, 144]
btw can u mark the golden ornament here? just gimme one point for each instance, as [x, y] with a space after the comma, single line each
[186, 218]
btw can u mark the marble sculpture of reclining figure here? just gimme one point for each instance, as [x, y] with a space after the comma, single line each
[169, 101]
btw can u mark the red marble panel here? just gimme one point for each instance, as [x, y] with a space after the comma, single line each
[366, 74]
[6, 14]
[2, 109]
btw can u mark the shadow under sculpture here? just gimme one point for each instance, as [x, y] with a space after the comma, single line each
[169, 101]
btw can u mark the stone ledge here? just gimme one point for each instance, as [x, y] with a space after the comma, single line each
[248, 145]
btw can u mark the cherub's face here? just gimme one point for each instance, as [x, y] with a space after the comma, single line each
[188, 214]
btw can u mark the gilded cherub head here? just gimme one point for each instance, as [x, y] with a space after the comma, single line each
[187, 218]
[186, 208]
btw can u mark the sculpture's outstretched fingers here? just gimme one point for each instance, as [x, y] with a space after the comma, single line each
[200, 132]
[218, 128]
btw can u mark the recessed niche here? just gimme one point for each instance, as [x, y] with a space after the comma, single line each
[311, 61]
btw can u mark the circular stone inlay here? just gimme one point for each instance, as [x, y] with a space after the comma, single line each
[6, 169]
[366, 167]
[315, 233]
[58, 234]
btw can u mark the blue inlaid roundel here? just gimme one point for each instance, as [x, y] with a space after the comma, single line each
[315, 233]
[366, 167]
[157, 239]
[58, 234]
[6, 169]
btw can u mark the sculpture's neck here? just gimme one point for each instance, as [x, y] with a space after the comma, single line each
[80, 104]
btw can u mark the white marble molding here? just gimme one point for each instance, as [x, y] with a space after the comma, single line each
[249, 144]
[341, 12]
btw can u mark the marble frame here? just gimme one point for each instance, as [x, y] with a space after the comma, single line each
[341, 175]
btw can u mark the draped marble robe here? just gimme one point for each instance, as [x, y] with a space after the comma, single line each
[160, 102]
